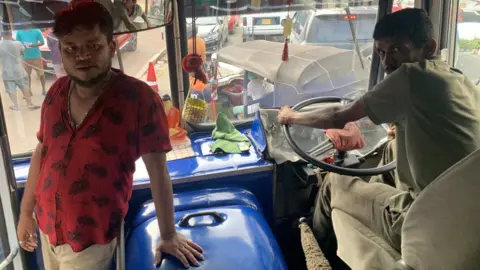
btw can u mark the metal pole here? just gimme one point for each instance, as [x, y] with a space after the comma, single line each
[172, 69]
[178, 55]
[120, 252]
[182, 25]
[9, 203]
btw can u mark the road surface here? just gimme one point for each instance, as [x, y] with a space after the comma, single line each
[22, 125]
[469, 64]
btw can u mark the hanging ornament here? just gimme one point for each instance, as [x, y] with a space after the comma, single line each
[193, 62]
[285, 51]
[287, 30]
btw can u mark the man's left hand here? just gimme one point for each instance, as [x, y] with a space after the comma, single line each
[184, 249]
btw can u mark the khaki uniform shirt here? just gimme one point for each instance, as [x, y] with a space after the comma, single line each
[437, 112]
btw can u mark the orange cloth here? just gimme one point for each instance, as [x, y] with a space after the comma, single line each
[198, 86]
[201, 47]
[173, 117]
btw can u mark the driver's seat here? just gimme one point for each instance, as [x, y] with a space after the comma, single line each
[440, 231]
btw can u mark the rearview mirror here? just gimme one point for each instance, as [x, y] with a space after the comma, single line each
[128, 15]
[131, 16]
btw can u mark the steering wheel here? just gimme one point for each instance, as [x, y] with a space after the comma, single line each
[311, 154]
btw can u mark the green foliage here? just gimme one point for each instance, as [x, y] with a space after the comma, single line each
[473, 44]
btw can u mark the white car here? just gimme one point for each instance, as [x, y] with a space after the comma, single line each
[263, 25]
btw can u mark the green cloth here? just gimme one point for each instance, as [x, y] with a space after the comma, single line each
[227, 138]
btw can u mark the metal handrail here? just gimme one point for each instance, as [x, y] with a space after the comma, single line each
[9, 258]
[120, 252]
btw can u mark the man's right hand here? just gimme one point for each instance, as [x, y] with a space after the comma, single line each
[285, 116]
[26, 232]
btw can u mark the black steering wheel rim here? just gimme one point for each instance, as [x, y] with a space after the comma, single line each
[326, 166]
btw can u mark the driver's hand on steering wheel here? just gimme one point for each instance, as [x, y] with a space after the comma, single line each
[285, 116]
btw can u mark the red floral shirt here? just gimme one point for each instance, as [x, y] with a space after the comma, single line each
[86, 174]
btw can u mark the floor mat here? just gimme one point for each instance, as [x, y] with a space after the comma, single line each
[181, 150]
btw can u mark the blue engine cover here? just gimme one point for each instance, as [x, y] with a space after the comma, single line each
[235, 236]
[200, 199]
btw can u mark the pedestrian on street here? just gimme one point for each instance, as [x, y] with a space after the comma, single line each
[95, 123]
[13, 73]
[32, 39]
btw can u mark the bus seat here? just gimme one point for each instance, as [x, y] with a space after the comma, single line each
[440, 229]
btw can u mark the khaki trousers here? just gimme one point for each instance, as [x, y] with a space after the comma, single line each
[377, 204]
[96, 257]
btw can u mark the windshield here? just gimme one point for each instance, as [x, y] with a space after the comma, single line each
[243, 59]
[336, 28]
[42, 63]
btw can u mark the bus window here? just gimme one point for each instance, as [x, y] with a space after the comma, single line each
[258, 78]
[136, 51]
[467, 48]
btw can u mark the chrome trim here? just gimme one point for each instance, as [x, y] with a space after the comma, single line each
[9, 258]
[225, 173]
[195, 178]
[10, 206]
[120, 251]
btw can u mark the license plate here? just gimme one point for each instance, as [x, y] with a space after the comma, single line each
[266, 21]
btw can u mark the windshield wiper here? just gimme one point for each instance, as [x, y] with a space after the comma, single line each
[354, 37]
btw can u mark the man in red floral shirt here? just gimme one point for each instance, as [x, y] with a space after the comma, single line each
[95, 123]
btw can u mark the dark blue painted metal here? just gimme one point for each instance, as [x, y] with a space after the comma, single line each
[242, 241]
[205, 198]
[203, 163]
[212, 168]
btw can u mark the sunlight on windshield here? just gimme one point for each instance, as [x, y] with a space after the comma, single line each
[329, 55]
[137, 51]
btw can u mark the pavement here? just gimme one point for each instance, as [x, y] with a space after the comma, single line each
[22, 125]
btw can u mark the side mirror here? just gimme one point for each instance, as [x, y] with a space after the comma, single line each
[214, 57]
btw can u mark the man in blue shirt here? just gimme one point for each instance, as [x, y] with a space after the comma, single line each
[32, 39]
[13, 73]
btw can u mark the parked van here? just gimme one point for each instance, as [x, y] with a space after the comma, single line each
[267, 26]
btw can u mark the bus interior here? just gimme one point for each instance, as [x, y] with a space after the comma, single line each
[252, 209]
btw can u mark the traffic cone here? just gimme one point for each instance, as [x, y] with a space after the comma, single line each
[152, 77]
